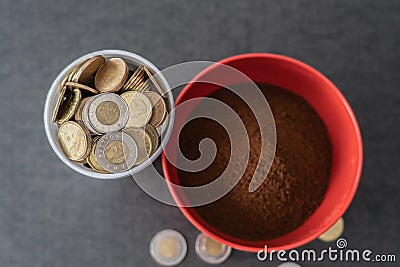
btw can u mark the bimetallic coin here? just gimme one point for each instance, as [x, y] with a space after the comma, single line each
[108, 112]
[70, 105]
[78, 113]
[143, 142]
[82, 87]
[111, 76]
[334, 232]
[58, 104]
[153, 136]
[92, 160]
[74, 140]
[159, 109]
[116, 152]
[85, 73]
[211, 251]
[85, 116]
[153, 80]
[168, 247]
[139, 109]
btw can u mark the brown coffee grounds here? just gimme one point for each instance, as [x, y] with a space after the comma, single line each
[296, 183]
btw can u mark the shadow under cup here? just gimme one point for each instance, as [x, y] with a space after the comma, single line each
[343, 131]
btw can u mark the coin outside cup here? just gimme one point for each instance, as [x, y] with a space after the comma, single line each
[51, 127]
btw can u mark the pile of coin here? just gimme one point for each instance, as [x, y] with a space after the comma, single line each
[110, 118]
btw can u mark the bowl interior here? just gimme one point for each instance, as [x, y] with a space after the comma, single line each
[51, 128]
[343, 131]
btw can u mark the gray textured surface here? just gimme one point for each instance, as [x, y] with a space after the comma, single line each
[52, 216]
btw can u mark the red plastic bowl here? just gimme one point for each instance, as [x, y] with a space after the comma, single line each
[343, 130]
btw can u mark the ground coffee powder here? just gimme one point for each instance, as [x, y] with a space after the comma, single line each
[296, 183]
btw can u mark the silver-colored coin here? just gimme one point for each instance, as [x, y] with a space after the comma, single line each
[116, 152]
[108, 112]
[85, 116]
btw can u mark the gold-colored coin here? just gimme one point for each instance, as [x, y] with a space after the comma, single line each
[107, 112]
[140, 109]
[78, 113]
[111, 76]
[334, 232]
[82, 87]
[72, 74]
[130, 80]
[137, 83]
[85, 74]
[115, 152]
[153, 136]
[159, 109]
[70, 105]
[143, 142]
[62, 84]
[143, 87]
[83, 161]
[153, 80]
[74, 140]
[59, 103]
[92, 160]
[137, 77]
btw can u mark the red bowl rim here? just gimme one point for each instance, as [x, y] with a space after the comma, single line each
[338, 94]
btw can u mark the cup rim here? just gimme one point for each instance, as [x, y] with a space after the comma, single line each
[48, 113]
[355, 125]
